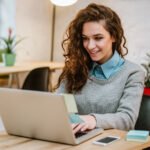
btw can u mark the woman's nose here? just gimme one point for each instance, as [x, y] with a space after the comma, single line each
[91, 44]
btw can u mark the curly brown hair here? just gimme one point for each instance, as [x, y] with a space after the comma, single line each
[77, 60]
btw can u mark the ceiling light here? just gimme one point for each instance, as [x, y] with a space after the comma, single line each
[63, 2]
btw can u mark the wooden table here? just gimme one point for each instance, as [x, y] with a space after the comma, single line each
[28, 66]
[8, 142]
[13, 71]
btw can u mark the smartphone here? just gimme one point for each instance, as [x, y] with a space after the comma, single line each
[106, 140]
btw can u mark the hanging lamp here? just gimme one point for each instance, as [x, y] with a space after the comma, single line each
[63, 2]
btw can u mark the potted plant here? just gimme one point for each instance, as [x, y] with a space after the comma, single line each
[146, 66]
[9, 44]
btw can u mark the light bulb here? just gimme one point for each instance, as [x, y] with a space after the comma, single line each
[63, 2]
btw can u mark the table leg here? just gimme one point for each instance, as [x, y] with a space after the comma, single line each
[11, 79]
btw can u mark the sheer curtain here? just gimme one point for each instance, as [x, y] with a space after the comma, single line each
[7, 16]
[7, 20]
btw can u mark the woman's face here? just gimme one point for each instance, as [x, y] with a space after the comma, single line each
[97, 41]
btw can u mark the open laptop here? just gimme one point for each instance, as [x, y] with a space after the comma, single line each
[39, 115]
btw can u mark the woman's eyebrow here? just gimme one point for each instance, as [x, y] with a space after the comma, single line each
[99, 34]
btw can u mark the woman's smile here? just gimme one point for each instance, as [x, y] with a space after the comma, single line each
[97, 41]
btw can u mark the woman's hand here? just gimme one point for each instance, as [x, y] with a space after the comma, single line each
[88, 124]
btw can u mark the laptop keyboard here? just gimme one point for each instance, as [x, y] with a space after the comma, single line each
[79, 134]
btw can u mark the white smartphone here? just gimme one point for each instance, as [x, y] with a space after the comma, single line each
[106, 140]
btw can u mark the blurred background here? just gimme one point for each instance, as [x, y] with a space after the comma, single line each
[43, 26]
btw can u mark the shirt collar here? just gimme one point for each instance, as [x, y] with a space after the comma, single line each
[109, 66]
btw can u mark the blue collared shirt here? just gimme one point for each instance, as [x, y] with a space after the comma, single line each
[109, 68]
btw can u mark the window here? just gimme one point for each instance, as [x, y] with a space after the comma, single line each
[7, 16]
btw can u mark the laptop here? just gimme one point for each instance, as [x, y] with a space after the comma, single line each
[39, 115]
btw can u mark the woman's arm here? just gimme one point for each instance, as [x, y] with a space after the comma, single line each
[128, 108]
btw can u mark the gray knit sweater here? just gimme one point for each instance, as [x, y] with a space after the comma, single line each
[114, 102]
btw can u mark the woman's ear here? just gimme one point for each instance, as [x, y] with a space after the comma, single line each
[113, 39]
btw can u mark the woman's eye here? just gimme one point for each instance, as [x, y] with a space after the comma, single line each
[84, 38]
[98, 38]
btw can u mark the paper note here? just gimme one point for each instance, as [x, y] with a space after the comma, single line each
[70, 103]
[137, 135]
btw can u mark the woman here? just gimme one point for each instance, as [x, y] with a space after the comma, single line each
[107, 88]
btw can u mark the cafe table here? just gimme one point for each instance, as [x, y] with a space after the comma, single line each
[21, 67]
[10, 142]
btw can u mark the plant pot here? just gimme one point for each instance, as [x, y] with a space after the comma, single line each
[9, 59]
[147, 91]
[1, 52]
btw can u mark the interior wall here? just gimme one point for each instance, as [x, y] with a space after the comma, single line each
[33, 22]
[133, 13]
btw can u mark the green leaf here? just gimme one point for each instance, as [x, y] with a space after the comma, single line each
[147, 83]
[10, 43]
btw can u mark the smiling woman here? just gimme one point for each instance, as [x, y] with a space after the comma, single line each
[107, 87]
[97, 41]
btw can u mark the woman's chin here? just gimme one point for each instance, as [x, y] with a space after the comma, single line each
[95, 59]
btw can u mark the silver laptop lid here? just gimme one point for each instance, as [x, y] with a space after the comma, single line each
[40, 115]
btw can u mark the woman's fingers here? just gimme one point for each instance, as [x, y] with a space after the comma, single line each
[89, 120]
[89, 124]
[74, 125]
[77, 129]
[85, 127]
[80, 128]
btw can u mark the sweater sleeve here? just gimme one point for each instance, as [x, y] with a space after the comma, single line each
[127, 113]
[61, 88]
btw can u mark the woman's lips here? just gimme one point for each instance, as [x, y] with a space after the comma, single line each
[94, 52]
